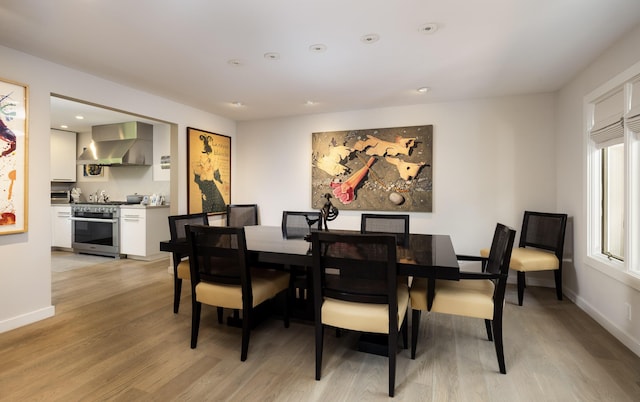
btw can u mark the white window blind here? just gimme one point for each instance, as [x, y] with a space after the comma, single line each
[607, 127]
[633, 115]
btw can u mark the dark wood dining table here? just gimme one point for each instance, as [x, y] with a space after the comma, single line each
[424, 255]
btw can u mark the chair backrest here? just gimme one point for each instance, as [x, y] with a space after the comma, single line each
[242, 215]
[500, 252]
[219, 255]
[355, 268]
[544, 231]
[499, 261]
[177, 227]
[177, 224]
[386, 223]
[296, 224]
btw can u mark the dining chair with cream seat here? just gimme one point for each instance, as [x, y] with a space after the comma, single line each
[476, 294]
[242, 215]
[297, 225]
[397, 224]
[221, 276]
[181, 270]
[541, 248]
[356, 288]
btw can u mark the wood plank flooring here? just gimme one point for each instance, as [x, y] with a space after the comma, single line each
[115, 337]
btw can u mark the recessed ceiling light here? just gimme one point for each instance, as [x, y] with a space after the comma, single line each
[423, 90]
[429, 28]
[79, 117]
[272, 56]
[370, 38]
[64, 126]
[317, 48]
[234, 62]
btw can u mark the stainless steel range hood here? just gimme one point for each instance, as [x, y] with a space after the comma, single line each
[128, 143]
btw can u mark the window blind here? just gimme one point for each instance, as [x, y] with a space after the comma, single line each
[608, 128]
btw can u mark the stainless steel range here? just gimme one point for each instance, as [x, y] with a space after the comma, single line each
[95, 228]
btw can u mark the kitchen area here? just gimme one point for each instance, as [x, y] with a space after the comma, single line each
[109, 182]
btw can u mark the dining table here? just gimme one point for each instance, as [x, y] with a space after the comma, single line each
[422, 255]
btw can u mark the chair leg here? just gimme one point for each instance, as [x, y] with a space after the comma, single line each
[393, 351]
[246, 332]
[521, 286]
[415, 326]
[497, 334]
[287, 307]
[558, 275]
[195, 323]
[177, 289]
[319, 343]
[405, 330]
[220, 311]
[487, 324]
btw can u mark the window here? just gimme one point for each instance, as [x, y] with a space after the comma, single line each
[613, 201]
[613, 158]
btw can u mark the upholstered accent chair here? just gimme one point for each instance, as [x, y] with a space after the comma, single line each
[397, 224]
[221, 276]
[541, 248]
[240, 215]
[476, 294]
[356, 288]
[181, 270]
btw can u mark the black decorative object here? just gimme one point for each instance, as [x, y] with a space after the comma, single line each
[328, 211]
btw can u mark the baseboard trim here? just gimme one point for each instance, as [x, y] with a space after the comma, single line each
[613, 329]
[26, 319]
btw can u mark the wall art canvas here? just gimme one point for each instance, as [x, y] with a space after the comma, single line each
[13, 157]
[209, 170]
[381, 169]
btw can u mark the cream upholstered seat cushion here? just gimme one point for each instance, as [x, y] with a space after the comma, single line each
[530, 259]
[265, 284]
[184, 270]
[365, 317]
[469, 298]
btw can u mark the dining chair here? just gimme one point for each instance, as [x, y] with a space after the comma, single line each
[297, 225]
[541, 248]
[242, 215]
[356, 288]
[221, 276]
[178, 234]
[476, 294]
[397, 224]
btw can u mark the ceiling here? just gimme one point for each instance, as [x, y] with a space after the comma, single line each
[293, 57]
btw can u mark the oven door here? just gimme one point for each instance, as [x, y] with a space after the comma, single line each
[95, 235]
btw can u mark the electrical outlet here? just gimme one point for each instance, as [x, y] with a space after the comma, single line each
[628, 306]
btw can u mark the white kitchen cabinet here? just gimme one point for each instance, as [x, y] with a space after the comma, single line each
[61, 226]
[141, 231]
[63, 156]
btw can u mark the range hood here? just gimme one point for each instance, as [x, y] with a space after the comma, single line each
[129, 143]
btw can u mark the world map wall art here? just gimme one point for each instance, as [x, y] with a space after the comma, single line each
[381, 169]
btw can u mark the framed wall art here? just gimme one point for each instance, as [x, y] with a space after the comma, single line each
[209, 170]
[13, 157]
[382, 169]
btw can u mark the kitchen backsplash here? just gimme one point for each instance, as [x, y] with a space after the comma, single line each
[118, 182]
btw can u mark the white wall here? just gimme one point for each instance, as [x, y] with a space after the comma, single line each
[601, 295]
[493, 158]
[25, 271]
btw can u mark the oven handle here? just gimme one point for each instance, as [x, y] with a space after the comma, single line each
[73, 218]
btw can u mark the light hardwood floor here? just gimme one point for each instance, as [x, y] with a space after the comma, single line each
[114, 337]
